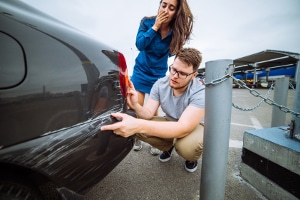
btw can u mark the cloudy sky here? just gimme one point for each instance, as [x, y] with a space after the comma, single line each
[222, 29]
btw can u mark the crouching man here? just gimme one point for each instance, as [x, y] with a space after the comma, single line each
[181, 97]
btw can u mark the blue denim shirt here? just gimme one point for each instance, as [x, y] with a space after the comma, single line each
[152, 60]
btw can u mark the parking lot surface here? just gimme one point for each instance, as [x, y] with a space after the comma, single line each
[142, 176]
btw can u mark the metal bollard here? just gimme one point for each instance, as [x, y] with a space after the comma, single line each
[296, 120]
[218, 102]
[280, 97]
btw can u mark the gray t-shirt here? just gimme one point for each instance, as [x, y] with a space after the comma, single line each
[173, 106]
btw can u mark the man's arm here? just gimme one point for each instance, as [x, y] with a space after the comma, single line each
[189, 120]
[148, 110]
[145, 112]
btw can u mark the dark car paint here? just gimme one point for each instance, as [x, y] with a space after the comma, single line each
[51, 111]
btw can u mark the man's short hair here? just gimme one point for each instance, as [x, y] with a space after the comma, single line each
[191, 56]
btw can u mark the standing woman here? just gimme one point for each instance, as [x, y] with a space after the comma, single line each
[158, 38]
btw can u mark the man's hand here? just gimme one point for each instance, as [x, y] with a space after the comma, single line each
[126, 127]
[132, 96]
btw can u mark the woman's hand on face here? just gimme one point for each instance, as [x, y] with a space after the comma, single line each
[160, 19]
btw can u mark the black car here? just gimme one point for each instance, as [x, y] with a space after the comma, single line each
[57, 88]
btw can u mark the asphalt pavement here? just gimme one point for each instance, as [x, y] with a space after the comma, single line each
[142, 176]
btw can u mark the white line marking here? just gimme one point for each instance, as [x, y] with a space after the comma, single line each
[246, 125]
[235, 143]
[255, 122]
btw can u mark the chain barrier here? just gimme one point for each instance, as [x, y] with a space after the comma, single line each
[292, 86]
[259, 104]
[255, 93]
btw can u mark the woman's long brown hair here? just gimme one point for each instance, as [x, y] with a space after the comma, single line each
[182, 26]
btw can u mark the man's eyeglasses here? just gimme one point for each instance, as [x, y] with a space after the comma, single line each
[181, 75]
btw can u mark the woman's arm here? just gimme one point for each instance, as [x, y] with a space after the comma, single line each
[145, 35]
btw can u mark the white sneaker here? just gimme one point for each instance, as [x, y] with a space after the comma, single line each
[137, 145]
[154, 151]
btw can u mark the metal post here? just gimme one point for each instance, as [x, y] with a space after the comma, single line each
[280, 97]
[218, 102]
[254, 76]
[267, 74]
[297, 103]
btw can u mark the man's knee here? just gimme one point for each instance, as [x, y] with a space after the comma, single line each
[159, 143]
[191, 146]
[190, 152]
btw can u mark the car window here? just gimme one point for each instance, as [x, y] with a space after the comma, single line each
[12, 65]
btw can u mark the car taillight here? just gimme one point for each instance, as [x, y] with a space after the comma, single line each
[123, 75]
